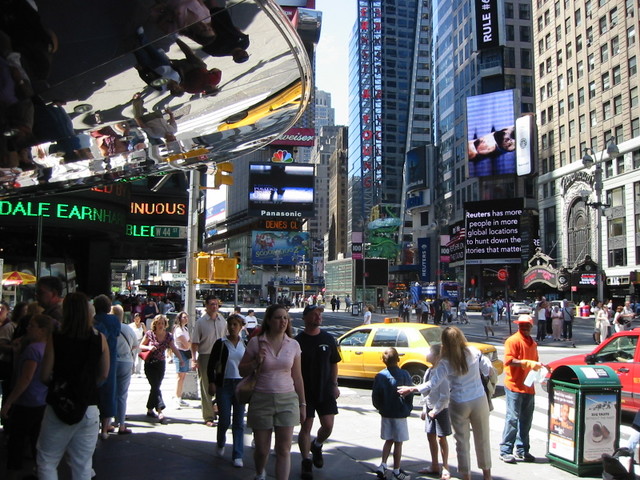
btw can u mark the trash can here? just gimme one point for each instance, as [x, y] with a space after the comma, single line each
[356, 308]
[584, 417]
[585, 311]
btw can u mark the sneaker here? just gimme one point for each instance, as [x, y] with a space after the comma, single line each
[306, 470]
[526, 457]
[507, 458]
[262, 476]
[401, 475]
[316, 453]
[183, 403]
[237, 462]
[220, 451]
[381, 472]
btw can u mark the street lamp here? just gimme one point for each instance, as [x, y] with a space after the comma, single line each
[588, 161]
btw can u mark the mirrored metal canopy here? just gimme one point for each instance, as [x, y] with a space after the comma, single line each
[96, 93]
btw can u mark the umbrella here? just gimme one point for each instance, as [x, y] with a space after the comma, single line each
[18, 278]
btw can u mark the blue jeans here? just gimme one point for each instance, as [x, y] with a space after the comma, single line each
[123, 378]
[226, 399]
[517, 422]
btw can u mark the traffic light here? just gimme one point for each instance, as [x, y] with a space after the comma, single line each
[222, 176]
[203, 268]
[238, 257]
[224, 269]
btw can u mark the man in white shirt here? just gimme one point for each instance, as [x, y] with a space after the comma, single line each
[209, 328]
[250, 322]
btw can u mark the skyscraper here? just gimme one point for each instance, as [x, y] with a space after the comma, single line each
[389, 55]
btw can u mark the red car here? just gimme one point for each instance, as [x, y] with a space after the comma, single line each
[621, 352]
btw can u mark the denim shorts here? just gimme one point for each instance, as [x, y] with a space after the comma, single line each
[440, 425]
[185, 365]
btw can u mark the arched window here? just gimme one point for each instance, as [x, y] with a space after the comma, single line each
[578, 232]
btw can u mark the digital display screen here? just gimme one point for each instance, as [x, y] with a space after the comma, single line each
[281, 190]
[491, 134]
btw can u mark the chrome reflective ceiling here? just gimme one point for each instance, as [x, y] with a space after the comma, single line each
[84, 88]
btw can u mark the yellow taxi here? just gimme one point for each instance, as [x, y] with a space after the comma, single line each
[362, 347]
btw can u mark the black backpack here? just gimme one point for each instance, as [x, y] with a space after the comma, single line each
[618, 466]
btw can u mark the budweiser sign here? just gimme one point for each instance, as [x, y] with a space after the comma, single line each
[302, 137]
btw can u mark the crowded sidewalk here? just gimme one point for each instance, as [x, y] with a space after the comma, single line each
[184, 447]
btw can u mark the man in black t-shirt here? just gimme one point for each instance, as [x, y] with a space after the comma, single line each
[320, 359]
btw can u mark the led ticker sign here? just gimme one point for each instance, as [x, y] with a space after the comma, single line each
[287, 225]
[158, 208]
[63, 211]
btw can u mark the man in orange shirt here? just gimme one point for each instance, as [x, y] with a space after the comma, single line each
[520, 357]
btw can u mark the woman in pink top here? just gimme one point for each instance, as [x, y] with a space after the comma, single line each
[278, 402]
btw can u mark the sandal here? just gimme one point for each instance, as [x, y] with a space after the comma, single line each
[209, 423]
[445, 474]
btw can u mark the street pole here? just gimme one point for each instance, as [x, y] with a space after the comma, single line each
[588, 161]
[304, 271]
[364, 275]
[192, 245]
[598, 189]
[235, 292]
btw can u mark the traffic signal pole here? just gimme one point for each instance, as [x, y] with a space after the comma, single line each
[192, 245]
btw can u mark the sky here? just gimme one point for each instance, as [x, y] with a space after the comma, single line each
[332, 54]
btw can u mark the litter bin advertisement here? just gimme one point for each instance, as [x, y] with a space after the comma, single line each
[584, 417]
[562, 425]
[600, 416]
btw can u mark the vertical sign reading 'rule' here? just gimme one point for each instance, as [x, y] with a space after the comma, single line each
[487, 24]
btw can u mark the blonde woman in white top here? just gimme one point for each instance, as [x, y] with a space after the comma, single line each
[183, 344]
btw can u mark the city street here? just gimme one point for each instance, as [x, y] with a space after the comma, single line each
[185, 447]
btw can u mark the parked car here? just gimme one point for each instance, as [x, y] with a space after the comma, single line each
[362, 347]
[621, 352]
[520, 308]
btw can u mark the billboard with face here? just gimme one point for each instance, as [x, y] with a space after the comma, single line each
[491, 134]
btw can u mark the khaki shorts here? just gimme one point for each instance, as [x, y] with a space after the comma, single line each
[268, 410]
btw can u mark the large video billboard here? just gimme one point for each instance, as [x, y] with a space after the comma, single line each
[281, 190]
[279, 248]
[491, 134]
[492, 230]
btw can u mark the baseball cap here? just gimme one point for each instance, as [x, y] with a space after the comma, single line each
[311, 308]
[524, 318]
